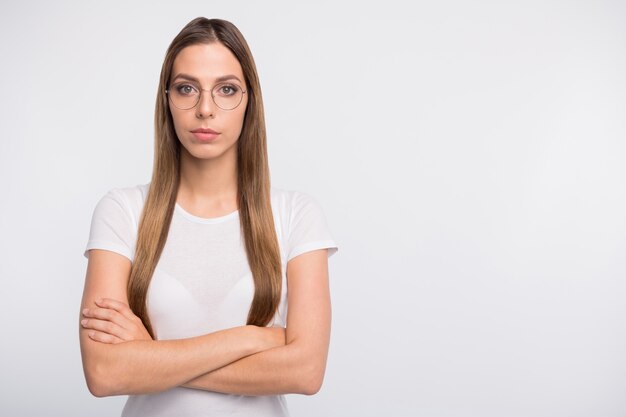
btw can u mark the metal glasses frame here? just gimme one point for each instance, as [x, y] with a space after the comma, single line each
[167, 91]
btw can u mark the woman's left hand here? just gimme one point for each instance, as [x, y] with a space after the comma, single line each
[113, 322]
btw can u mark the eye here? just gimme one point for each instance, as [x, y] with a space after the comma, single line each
[227, 89]
[186, 89]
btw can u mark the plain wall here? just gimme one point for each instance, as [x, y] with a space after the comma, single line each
[469, 157]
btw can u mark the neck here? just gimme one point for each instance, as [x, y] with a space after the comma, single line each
[208, 184]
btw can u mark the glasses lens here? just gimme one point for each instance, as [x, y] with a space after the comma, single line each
[227, 96]
[184, 96]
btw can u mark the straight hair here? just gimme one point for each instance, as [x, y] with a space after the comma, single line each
[253, 181]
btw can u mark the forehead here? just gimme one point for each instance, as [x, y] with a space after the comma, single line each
[206, 62]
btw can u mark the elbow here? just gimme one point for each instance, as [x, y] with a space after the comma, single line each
[104, 374]
[310, 381]
[97, 390]
[97, 383]
[311, 389]
[101, 382]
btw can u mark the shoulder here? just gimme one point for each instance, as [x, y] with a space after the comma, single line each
[130, 198]
[115, 220]
[290, 199]
[130, 195]
[302, 222]
[122, 204]
[289, 205]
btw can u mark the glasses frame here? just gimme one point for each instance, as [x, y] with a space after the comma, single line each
[167, 92]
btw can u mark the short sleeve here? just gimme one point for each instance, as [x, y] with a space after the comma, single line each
[308, 229]
[112, 226]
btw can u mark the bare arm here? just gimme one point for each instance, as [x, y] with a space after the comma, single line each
[144, 366]
[298, 366]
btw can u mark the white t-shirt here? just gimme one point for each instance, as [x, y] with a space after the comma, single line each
[203, 283]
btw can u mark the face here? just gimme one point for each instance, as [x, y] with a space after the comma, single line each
[201, 66]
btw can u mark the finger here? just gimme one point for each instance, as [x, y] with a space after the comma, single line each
[118, 306]
[105, 327]
[109, 315]
[104, 337]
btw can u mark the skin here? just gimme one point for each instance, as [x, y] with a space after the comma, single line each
[274, 361]
[208, 185]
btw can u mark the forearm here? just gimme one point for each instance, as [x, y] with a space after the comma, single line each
[145, 366]
[281, 370]
[300, 364]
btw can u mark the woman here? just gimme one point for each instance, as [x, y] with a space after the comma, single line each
[185, 301]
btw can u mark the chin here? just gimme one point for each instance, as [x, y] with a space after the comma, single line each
[204, 153]
[208, 151]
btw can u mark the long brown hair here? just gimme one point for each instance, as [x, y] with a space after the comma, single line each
[253, 181]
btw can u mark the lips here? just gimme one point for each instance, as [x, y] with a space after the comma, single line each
[205, 135]
[204, 131]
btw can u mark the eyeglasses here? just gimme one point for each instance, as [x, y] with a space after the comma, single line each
[185, 96]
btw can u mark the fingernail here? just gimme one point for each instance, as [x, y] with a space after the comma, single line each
[99, 300]
[85, 311]
[83, 322]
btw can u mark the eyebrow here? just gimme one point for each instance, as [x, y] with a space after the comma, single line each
[218, 79]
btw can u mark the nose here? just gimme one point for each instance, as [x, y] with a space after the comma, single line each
[206, 105]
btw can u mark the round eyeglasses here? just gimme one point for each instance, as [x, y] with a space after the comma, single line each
[185, 96]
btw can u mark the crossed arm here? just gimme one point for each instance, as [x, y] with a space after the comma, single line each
[120, 358]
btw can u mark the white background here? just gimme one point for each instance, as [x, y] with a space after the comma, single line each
[469, 156]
